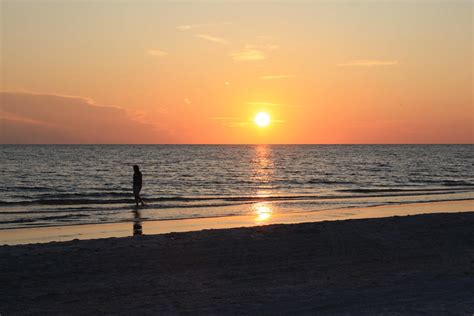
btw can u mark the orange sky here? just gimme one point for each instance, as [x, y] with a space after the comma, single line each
[198, 72]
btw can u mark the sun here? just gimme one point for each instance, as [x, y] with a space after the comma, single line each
[262, 119]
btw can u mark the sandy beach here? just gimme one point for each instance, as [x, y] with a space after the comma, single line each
[422, 264]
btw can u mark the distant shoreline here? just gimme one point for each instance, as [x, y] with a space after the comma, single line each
[238, 144]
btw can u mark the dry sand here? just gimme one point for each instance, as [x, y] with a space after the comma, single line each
[421, 264]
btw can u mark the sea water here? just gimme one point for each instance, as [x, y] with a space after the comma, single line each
[45, 185]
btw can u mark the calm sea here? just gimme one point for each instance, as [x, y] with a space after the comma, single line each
[43, 185]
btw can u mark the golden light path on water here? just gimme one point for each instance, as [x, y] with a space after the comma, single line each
[263, 169]
[262, 212]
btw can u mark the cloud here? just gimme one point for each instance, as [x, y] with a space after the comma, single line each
[248, 55]
[230, 121]
[213, 39]
[237, 124]
[276, 77]
[253, 52]
[263, 104]
[369, 63]
[268, 47]
[270, 104]
[28, 118]
[187, 101]
[224, 118]
[187, 27]
[157, 52]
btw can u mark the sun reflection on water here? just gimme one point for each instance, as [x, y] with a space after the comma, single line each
[262, 170]
[262, 211]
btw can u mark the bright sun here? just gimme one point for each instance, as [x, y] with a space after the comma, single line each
[262, 119]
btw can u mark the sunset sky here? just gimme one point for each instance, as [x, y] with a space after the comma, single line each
[200, 71]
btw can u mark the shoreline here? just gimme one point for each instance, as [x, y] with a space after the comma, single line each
[405, 265]
[17, 236]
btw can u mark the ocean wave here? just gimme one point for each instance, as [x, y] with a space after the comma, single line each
[119, 208]
[208, 200]
[25, 188]
[64, 196]
[43, 218]
[392, 190]
[326, 181]
[457, 183]
[444, 182]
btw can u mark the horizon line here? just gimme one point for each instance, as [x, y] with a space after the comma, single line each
[223, 144]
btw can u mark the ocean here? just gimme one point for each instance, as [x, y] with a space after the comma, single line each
[47, 185]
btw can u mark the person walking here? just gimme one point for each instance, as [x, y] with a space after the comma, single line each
[137, 185]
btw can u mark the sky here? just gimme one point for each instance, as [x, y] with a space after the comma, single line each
[198, 72]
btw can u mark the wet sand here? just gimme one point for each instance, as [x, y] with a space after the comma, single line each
[265, 217]
[422, 264]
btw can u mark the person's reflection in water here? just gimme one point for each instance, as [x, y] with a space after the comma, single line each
[137, 223]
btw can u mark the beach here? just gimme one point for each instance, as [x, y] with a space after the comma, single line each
[244, 157]
[418, 264]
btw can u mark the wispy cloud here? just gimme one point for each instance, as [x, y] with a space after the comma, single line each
[266, 37]
[263, 104]
[186, 100]
[262, 46]
[369, 63]
[253, 52]
[270, 104]
[248, 55]
[213, 39]
[187, 27]
[230, 121]
[157, 52]
[224, 118]
[276, 77]
[237, 124]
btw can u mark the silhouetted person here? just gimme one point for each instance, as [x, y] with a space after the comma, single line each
[137, 185]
